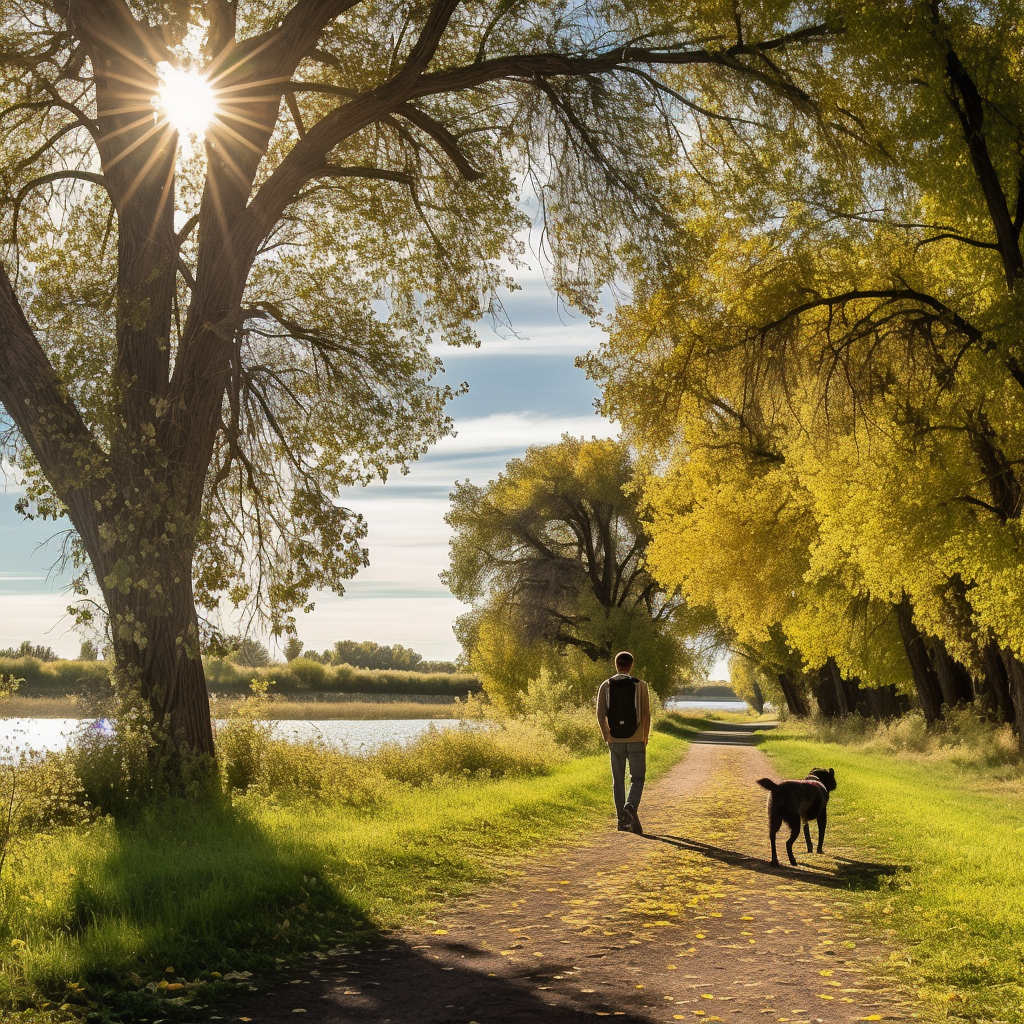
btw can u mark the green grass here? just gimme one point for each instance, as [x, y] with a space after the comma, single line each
[954, 911]
[98, 913]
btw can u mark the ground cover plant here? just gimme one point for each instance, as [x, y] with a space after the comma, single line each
[948, 815]
[129, 918]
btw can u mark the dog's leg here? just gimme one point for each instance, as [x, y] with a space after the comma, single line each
[807, 836]
[822, 819]
[794, 831]
[774, 824]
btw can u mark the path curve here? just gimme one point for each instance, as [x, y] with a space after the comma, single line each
[685, 923]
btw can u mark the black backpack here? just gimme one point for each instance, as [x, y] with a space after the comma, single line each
[623, 717]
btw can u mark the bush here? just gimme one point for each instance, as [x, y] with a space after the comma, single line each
[472, 750]
[963, 737]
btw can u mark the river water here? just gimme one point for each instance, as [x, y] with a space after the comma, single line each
[24, 735]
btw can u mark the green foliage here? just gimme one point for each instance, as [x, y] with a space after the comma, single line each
[57, 677]
[552, 556]
[87, 651]
[27, 649]
[251, 654]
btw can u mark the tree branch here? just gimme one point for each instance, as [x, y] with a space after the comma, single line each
[442, 137]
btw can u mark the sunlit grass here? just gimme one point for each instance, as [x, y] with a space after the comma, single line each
[246, 887]
[956, 907]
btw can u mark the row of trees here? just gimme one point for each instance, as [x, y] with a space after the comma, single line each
[827, 382]
[370, 655]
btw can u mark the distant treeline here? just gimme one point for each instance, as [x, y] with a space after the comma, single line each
[51, 678]
[367, 654]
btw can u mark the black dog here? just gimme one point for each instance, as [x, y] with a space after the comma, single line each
[797, 803]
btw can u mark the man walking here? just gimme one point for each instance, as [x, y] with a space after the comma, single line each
[624, 715]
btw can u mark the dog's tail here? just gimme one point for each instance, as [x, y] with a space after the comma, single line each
[768, 784]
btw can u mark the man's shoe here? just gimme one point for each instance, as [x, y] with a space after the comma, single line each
[629, 813]
[623, 827]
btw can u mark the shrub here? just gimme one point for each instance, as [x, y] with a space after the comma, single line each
[963, 737]
[471, 750]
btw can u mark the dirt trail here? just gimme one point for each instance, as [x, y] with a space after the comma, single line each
[685, 923]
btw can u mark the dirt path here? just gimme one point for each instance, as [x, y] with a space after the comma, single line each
[685, 923]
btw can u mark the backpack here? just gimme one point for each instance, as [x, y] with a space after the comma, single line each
[623, 718]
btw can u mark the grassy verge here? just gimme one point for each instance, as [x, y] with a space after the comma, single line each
[109, 918]
[955, 911]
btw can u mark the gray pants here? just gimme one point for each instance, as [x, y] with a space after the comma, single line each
[636, 756]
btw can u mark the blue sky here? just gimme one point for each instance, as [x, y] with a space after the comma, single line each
[524, 389]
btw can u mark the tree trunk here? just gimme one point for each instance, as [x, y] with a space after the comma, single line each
[833, 700]
[155, 636]
[995, 690]
[757, 698]
[1015, 676]
[794, 699]
[954, 679]
[929, 693]
[882, 703]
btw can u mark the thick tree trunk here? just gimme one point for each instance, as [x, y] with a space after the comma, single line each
[995, 690]
[155, 636]
[794, 699]
[929, 693]
[757, 698]
[1015, 676]
[882, 703]
[954, 679]
[830, 691]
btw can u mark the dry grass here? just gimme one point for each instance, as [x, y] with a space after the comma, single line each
[292, 710]
[284, 708]
[42, 707]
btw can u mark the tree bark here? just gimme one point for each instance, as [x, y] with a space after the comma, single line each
[794, 699]
[757, 698]
[1015, 676]
[995, 689]
[929, 693]
[954, 679]
[830, 692]
[882, 703]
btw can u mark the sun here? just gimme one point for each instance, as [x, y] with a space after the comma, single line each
[186, 99]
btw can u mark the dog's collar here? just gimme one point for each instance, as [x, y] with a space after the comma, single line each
[814, 778]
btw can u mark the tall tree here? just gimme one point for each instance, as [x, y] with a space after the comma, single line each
[200, 346]
[554, 552]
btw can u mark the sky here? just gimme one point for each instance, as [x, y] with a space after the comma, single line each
[523, 390]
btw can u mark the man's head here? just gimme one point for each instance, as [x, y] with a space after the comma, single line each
[624, 662]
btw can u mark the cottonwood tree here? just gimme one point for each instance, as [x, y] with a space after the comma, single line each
[202, 341]
[552, 555]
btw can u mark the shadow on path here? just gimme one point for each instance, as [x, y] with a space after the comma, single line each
[443, 982]
[850, 874]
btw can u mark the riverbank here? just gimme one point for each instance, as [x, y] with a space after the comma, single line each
[307, 707]
[150, 911]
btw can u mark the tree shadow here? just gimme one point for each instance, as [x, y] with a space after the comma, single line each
[854, 875]
[441, 982]
[204, 888]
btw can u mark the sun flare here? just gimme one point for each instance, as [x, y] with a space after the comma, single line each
[186, 99]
